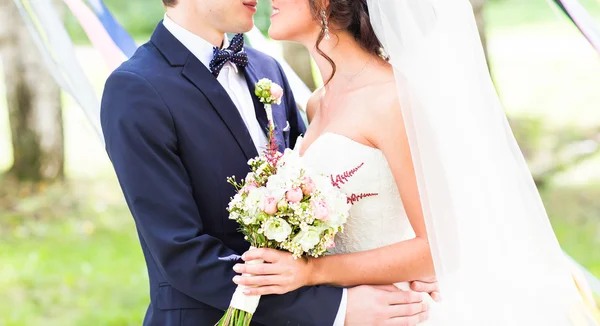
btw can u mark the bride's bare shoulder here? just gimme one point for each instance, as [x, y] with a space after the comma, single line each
[384, 107]
[382, 96]
[314, 103]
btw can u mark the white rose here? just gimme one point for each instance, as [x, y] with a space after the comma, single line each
[307, 239]
[323, 184]
[291, 174]
[290, 160]
[276, 186]
[254, 200]
[277, 229]
[338, 209]
[256, 195]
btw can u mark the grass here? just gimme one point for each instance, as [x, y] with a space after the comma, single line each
[575, 215]
[71, 256]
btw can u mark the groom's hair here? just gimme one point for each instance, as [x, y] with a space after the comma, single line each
[169, 3]
[351, 16]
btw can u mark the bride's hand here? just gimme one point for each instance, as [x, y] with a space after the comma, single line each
[280, 273]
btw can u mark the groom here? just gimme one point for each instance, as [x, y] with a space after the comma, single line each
[178, 119]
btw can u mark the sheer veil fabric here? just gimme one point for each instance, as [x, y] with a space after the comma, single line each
[495, 253]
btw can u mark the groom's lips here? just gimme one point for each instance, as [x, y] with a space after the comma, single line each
[251, 5]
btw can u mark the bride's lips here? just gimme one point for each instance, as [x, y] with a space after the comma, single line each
[275, 11]
[251, 4]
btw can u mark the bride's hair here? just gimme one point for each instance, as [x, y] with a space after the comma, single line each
[351, 16]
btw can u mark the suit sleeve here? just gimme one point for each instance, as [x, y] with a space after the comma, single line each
[142, 144]
[297, 126]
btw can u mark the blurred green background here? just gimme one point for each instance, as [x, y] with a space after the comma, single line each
[69, 253]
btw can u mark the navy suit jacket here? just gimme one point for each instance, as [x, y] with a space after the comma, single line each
[174, 136]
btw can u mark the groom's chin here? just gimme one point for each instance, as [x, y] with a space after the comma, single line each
[241, 27]
[248, 25]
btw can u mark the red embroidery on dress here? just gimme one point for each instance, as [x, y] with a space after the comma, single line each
[352, 199]
[341, 179]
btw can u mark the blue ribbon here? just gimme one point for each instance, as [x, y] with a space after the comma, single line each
[118, 34]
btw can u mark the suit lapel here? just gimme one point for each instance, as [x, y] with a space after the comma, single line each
[201, 77]
[261, 115]
[178, 55]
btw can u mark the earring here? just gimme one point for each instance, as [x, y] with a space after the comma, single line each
[383, 54]
[325, 23]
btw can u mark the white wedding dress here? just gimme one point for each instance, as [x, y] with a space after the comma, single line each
[377, 217]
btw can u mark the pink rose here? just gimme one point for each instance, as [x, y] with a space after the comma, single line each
[276, 92]
[308, 186]
[320, 210]
[270, 205]
[294, 196]
[249, 187]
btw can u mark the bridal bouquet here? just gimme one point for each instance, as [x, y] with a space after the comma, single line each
[282, 205]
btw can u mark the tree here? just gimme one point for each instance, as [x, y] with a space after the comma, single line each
[33, 101]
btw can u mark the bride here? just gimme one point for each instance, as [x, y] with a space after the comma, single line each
[409, 126]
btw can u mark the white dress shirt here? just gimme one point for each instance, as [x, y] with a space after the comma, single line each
[232, 81]
[236, 87]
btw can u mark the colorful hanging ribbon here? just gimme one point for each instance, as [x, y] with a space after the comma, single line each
[582, 19]
[118, 34]
[99, 37]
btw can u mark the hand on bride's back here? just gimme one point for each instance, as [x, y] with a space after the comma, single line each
[280, 273]
[384, 305]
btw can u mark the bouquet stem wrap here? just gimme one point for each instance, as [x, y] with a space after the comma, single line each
[240, 301]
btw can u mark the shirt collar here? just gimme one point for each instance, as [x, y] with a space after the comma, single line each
[199, 47]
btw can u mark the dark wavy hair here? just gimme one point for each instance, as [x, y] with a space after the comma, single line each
[169, 3]
[346, 15]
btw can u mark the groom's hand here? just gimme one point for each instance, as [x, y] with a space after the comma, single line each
[384, 305]
[427, 286]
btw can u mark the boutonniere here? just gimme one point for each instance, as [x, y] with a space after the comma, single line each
[268, 93]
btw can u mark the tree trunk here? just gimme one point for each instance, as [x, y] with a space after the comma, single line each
[34, 104]
[298, 58]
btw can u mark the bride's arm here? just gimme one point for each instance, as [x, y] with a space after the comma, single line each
[403, 261]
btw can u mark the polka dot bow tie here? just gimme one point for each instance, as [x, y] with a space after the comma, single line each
[233, 53]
